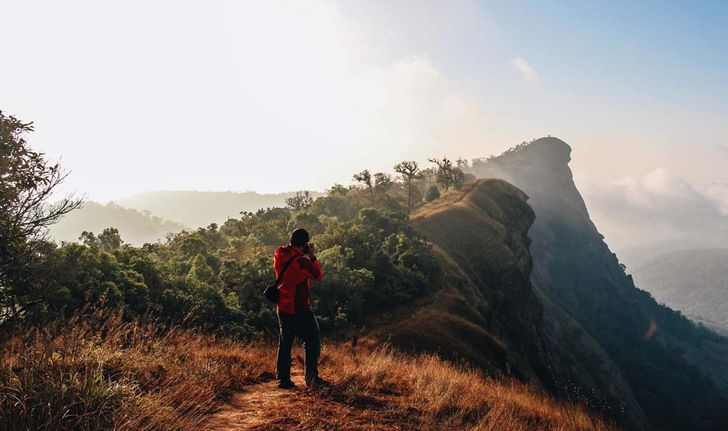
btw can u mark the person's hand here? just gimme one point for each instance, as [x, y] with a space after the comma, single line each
[311, 250]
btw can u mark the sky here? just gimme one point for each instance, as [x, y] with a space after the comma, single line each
[283, 95]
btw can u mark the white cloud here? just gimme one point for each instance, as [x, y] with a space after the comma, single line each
[525, 70]
[718, 191]
[657, 207]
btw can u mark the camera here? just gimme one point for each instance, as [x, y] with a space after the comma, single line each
[308, 247]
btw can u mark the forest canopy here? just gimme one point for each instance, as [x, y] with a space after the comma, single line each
[212, 277]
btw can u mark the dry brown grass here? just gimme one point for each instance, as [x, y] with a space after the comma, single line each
[378, 388]
[91, 374]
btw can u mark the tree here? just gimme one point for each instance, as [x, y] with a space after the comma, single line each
[300, 201]
[375, 185]
[448, 174]
[457, 176]
[365, 178]
[444, 168]
[409, 172]
[428, 174]
[338, 189]
[89, 239]
[432, 193]
[480, 163]
[200, 270]
[27, 181]
[382, 183]
[109, 239]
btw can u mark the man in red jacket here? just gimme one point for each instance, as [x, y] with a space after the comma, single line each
[294, 306]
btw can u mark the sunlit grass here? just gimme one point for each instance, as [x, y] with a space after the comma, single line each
[94, 374]
[88, 374]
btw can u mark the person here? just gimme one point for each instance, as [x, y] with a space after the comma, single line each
[295, 317]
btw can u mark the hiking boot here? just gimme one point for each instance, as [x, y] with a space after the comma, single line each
[286, 384]
[316, 382]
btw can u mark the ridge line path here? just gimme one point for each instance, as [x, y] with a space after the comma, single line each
[265, 407]
[250, 409]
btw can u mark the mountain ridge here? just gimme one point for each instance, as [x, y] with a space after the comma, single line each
[574, 268]
[135, 227]
[487, 310]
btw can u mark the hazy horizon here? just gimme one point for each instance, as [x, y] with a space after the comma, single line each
[279, 96]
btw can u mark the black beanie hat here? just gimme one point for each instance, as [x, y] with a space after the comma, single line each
[299, 237]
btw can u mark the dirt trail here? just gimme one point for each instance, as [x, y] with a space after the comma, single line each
[254, 408]
[265, 407]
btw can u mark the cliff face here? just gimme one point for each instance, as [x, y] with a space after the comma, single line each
[541, 170]
[580, 280]
[486, 303]
[488, 312]
[485, 233]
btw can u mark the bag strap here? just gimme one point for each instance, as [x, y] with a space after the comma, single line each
[280, 276]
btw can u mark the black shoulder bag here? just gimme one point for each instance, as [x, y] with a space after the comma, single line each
[271, 291]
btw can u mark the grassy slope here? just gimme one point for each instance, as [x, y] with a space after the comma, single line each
[108, 375]
[457, 322]
[487, 311]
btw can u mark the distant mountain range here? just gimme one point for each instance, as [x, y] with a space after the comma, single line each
[639, 256]
[692, 281]
[196, 209]
[135, 227]
[149, 217]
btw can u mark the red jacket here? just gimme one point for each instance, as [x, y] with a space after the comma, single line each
[295, 287]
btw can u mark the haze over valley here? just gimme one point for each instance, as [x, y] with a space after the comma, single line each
[149, 217]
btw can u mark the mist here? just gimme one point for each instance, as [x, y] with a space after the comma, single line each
[656, 213]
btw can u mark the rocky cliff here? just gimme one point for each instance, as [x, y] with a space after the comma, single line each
[660, 354]
[488, 313]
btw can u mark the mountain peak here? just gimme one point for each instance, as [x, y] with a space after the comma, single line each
[552, 146]
[549, 151]
[541, 169]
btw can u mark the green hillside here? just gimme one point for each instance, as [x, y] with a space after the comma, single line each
[692, 281]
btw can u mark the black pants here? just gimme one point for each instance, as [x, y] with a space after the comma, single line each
[304, 325]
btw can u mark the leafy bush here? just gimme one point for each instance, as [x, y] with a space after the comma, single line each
[432, 193]
[212, 277]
